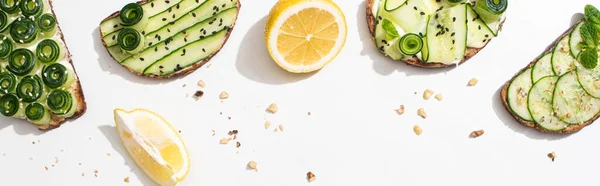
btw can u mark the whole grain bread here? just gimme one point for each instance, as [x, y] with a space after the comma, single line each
[504, 94]
[183, 71]
[414, 61]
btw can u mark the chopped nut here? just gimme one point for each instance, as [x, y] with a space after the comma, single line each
[421, 112]
[552, 155]
[252, 165]
[82, 174]
[473, 82]
[281, 128]
[201, 84]
[214, 132]
[224, 141]
[126, 180]
[439, 97]
[224, 95]
[238, 144]
[476, 133]
[273, 108]
[417, 130]
[46, 167]
[267, 124]
[400, 111]
[309, 113]
[198, 94]
[311, 177]
[427, 94]
[96, 171]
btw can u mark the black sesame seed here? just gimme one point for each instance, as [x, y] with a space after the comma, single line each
[453, 41]
[156, 36]
[479, 27]
[437, 16]
[115, 26]
[177, 6]
[167, 1]
[150, 44]
[168, 30]
[114, 36]
[447, 30]
[143, 32]
[201, 37]
[487, 35]
[214, 32]
[184, 39]
[197, 1]
[223, 5]
[173, 16]
[141, 58]
[172, 22]
[484, 40]
[422, 13]
[454, 19]
[415, 7]
[452, 34]
[193, 14]
[203, 50]
[161, 67]
[151, 4]
[156, 49]
[166, 48]
[164, 19]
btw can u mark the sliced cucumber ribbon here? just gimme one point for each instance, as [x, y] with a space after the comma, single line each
[8, 82]
[55, 75]
[9, 6]
[23, 30]
[491, 8]
[31, 7]
[410, 44]
[47, 51]
[3, 20]
[21, 61]
[9, 105]
[130, 40]
[60, 101]
[133, 15]
[6, 46]
[35, 112]
[47, 22]
[30, 89]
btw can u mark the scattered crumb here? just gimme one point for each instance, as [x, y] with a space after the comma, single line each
[187, 95]
[421, 112]
[281, 128]
[427, 94]
[56, 160]
[82, 174]
[273, 108]
[229, 117]
[252, 165]
[220, 113]
[310, 177]
[96, 171]
[214, 132]
[126, 180]
[33, 142]
[238, 144]
[417, 130]
[400, 110]
[198, 94]
[439, 97]
[46, 167]
[225, 141]
[276, 130]
[184, 85]
[267, 124]
[233, 132]
[309, 113]
[476, 133]
[96, 175]
[108, 154]
[416, 93]
[224, 95]
[473, 82]
[201, 84]
[552, 155]
[179, 131]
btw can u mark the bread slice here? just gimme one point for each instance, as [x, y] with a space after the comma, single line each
[504, 94]
[183, 71]
[414, 61]
[75, 89]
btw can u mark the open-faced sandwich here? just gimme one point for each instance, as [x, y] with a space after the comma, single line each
[166, 38]
[560, 90]
[434, 33]
[37, 79]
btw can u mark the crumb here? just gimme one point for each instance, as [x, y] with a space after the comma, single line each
[220, 113]
[56, 160]
[229, 117]
[400, 110]
[224, 141]
[179, 131]
[427, 94]
[309, 113]
[272, 108]
[417, 130]
[238, 144]
[552, 155]
[46, 167]
[82, 174]
[476, 133]
[421, 112]
[184, 85]
[233, 132]
[96, 171]
[224, 95]
[33, 142]
[108, 154]
[416, 93]
[213, 133]
[281, 128]
[267, 124]
[90, 138]
[310, 177]
[201, 84]
[276, 130]
[439, 97]
[96, 175]
[252, 165]
[126, 180]
[187, 95]
[473, 82]
[198, 94]
[208, 66]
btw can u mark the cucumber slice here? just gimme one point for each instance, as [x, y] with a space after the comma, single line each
[385, 43]
[447, 35]
[391, 5]
[412, 17]
[540, 104]
[542, 68]
[571, 103]
[517, 95]
[562, 61]
[574, 40]
[589, 80]
[478, 33]
[494, 23]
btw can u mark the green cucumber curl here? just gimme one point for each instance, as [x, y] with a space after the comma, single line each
[9, 105]
[8, 83]
[37, 113]
[133, 15]
[410, 44]
[31, 7]
[130, 40]
[23, 30]
[3, 20]
[21, 62]
[6, 46]
[57, 75]
[490, 9]
[47, 22]
[60, 102]
[47, 51]
[30, 89]
[9, 6]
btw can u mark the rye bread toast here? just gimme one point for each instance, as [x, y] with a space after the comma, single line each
[414, 61]
[183, 71]
[504, 94]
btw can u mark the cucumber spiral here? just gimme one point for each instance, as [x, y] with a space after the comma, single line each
[410, 44]
[36, 112]
[9, 105]
[47, 51]
[9, 6]
[21, 61]
[8, 82]
[130, 40]
[55, 75]
[23, 30]
[3, 20]
[491, 8]
[131, 14]
[31, 7]
[30, 89]
[60, 101]
[6, 46]
[46, 22]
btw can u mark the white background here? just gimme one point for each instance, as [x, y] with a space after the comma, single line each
[353, 136]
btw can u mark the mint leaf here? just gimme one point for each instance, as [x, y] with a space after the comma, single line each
[592, 14]
[389, 27]
[589, 58]
[589, 33]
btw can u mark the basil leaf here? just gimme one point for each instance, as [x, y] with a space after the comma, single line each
[592, 14]
[589, 58]
[589, 34]
[389, 27]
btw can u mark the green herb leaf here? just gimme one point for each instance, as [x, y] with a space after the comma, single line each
[589, 58]
[389, 27]
[592, 14]
[589, 33]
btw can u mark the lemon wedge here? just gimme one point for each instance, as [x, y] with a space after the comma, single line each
[305, 35]
[154, 145]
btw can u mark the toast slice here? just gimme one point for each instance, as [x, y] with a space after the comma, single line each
[181, 72]
[414, 61]
[504, 95]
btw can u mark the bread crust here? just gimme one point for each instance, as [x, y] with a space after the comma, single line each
[75, 89]
[184, 71]
[414, 61]
[504, 94]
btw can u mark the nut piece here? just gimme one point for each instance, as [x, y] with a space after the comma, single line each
[400, 111]
[224, 95]
[439, 97]
[272, 108]
[473, 82]
[126, 180]
[311, 177]
[421, 112]
[252, 165]
[267, 124]
[552, 155]
[201, 84]
[198, 94]
[476, 133]
[417, 130]
[427, 94]
[224, 141]
[281, 128]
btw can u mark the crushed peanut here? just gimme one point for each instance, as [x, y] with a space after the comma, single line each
[281, 128]
[224, 95]
[198, 94]
[238, 144]
[473, 82]
[267, 124]
[552, 155]
[272, 108]
[417, 130]
[252, 165]
[126, 180]
[201, 84]
[224, 141]
[476, 133]
[311, 177]
[427, 94]
[82, 174]
[421, 112]
[400, 111]
[439, 97]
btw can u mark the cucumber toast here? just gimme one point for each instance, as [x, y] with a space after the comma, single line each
[434, 33]
[38, 82]
[560, 91]
[163, 39]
